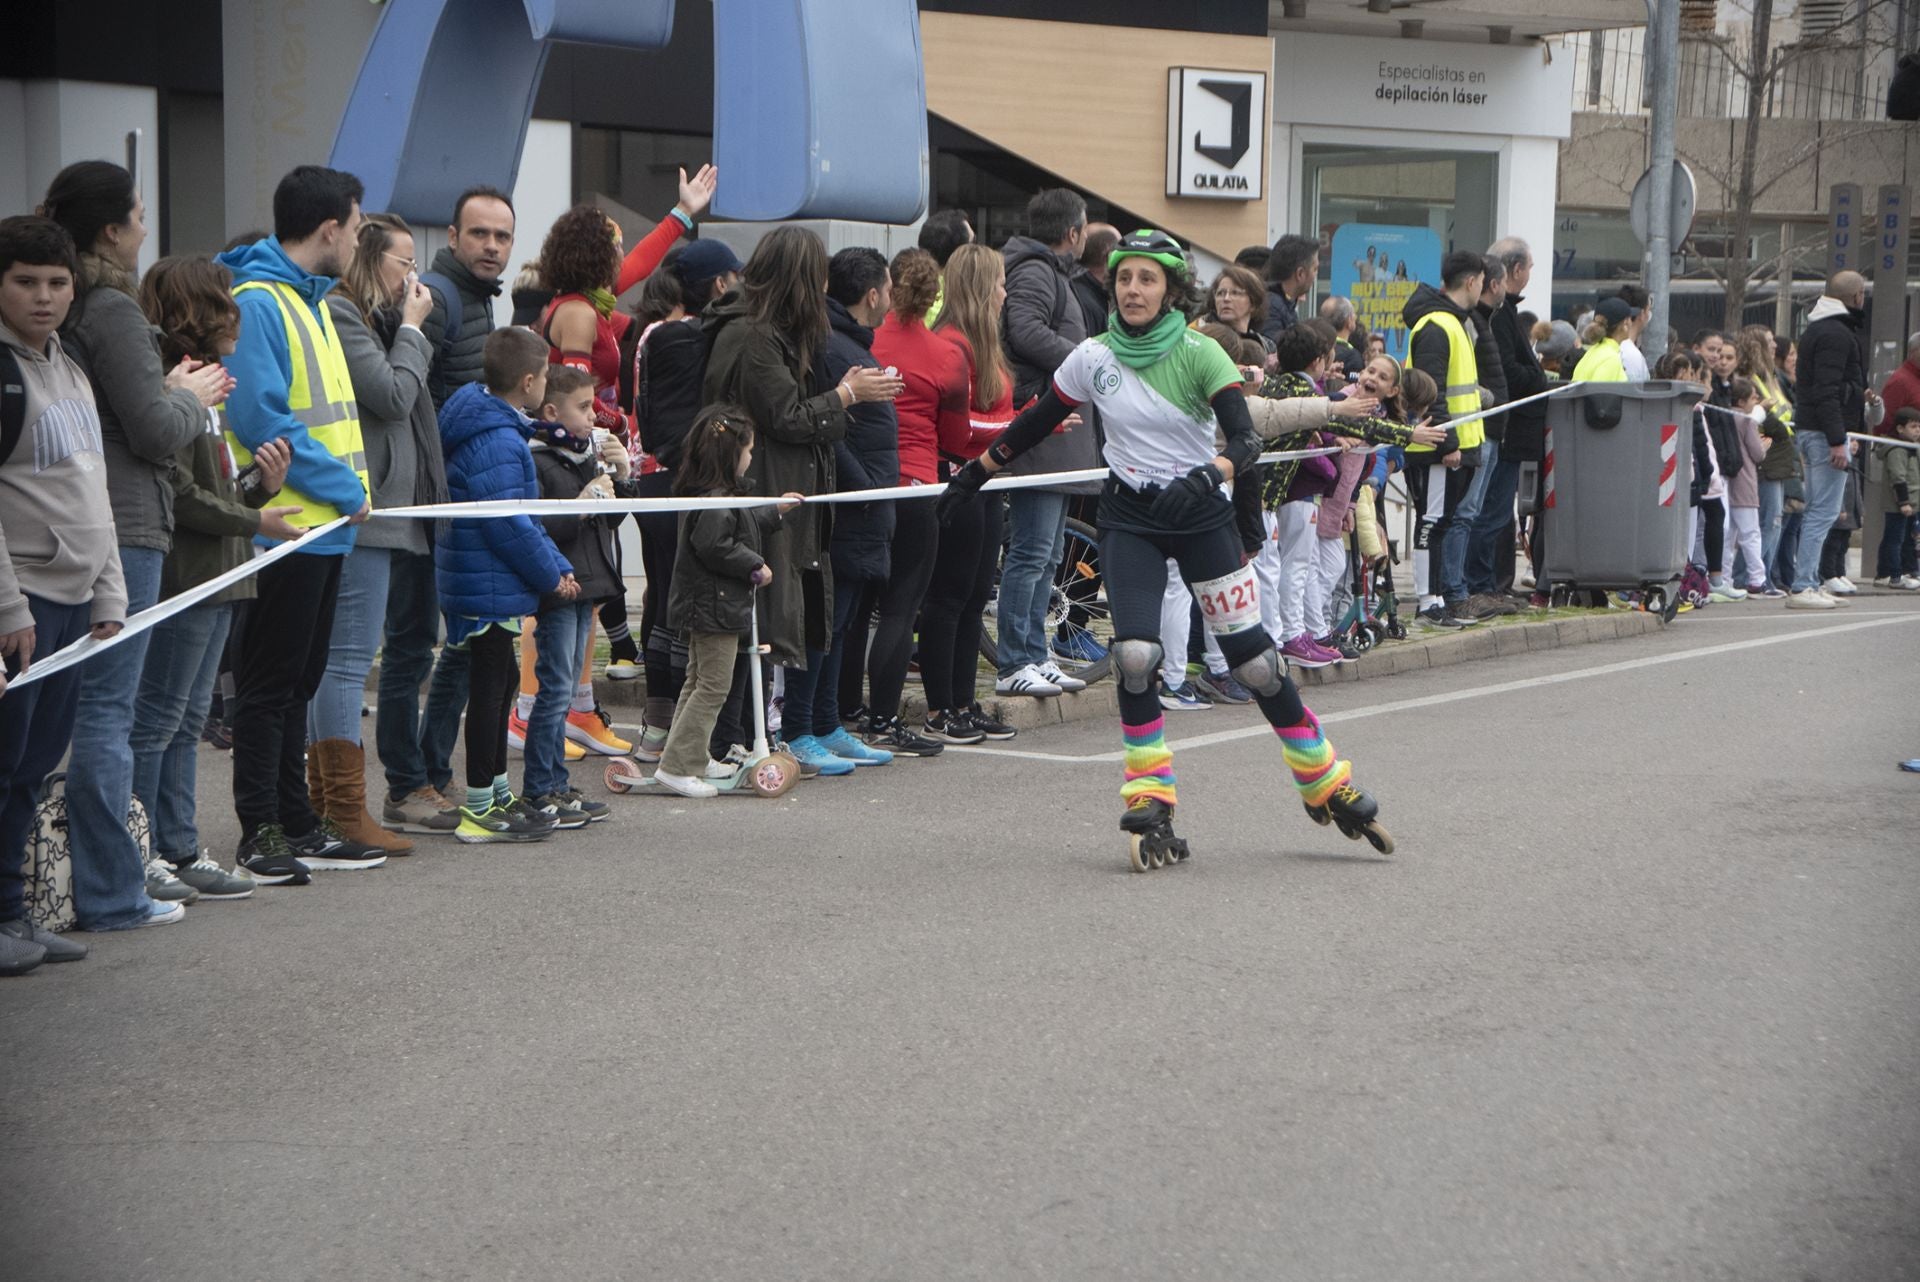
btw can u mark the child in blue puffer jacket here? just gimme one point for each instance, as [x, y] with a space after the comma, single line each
[492, 571]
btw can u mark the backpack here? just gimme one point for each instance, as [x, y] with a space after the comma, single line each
[13, 402]
[49, 871]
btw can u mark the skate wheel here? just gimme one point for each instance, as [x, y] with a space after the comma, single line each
[622, 776]
[1136, 851]
[1320, 815]
[776, 776]
[1378, 837]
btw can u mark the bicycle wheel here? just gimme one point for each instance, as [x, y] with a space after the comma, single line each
[1079, 620]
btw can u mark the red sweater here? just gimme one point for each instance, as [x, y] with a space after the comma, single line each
[985, 425]
[932, 409]
[1901, 392]
[647, 253]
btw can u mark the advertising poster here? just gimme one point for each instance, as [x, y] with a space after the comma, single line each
[1377, 266]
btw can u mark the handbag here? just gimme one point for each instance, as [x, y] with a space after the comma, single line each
[50, 855]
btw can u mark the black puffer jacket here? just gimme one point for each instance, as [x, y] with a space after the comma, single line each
[668, 370]
[1493, 374]
[868, 459]
[1526, 438]
[586, 541]
[1042, 324]
[719, 550]
[1832, 375]
[457, 361]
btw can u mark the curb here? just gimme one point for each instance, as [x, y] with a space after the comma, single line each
[1101, 700]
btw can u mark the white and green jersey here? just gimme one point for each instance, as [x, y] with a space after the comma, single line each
[1159, 420]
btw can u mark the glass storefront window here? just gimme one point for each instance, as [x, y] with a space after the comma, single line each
[1450, 193]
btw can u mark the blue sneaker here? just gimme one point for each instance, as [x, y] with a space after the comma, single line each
[1186, 697]
[809, 751]
[842, 744]
[1078, 647]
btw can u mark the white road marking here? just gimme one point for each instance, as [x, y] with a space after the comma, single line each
[1457, 696]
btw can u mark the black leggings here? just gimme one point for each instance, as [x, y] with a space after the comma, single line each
[1715, 512]
[493, 678]
[956, 598]
[665, 654]
[1135, 568]
[916, 539]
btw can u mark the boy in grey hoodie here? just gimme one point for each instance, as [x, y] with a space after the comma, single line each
[60, 574]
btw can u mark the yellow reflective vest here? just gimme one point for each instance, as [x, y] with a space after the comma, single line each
[1462, 392]
[1601, 364]
[320, 394]
[1775, 401]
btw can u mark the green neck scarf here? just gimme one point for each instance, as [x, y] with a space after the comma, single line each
[1148, 348]
[603, 300]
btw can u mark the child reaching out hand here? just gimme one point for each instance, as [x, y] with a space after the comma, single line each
[717, 566]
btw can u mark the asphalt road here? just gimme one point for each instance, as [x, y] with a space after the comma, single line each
[1638, 998]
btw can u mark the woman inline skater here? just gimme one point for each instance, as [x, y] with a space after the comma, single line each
[1160, 390]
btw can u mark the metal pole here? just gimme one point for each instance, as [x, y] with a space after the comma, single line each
[1663, 56]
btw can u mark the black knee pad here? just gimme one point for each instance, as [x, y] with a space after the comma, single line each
[1136, 662]
[1265, 673]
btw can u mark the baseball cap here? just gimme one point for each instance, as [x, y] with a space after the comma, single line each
[701, 262]
[1613, 310]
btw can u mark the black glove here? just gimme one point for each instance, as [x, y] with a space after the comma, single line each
[1182, 505]
[960, 491]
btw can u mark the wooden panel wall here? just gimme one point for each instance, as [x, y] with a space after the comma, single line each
[1090, 104]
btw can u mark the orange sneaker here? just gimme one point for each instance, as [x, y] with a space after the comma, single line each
[517, 739]
[593, 731]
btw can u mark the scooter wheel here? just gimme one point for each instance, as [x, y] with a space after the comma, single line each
[621, 776]
[776, 776]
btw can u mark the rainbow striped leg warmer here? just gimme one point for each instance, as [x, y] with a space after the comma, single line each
[1316, 772]
[1149, 763]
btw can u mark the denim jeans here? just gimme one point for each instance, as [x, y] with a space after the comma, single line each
[35, 724]
[417, 752]
[1453, 543]
[1495, 521]
[175, 692]
[560, 643]
[812, 704]
[109, 881]
[1826, 488]
[359, 617]
[1788, 548]
[1896, 547]
[1772, 499]
[1036, 540]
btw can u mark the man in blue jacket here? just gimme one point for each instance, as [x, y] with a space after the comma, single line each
[291, 383]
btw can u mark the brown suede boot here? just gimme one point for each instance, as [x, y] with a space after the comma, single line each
[343, 776]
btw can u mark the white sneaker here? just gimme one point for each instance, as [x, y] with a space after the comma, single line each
[686, 785]
[1028, 680]
[1908, 583]
[164, 914]
[1851, 589]
[725, 769]
[1810, 599]
[1838, 586]
[1051, 671]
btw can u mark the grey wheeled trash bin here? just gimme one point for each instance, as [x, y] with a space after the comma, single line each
[1619, 467]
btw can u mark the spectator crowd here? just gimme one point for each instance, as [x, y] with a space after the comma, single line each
[161, 432]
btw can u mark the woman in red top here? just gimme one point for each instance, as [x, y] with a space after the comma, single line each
[976, 291]
[932, 411]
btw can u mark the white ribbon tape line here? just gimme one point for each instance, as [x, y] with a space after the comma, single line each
[87, 647]
[1883, 440]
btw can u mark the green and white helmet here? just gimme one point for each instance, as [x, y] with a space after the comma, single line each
[1151, 243]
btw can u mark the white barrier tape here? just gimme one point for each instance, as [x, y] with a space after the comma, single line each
[610, 507]
[1504, 406]
[87, 647]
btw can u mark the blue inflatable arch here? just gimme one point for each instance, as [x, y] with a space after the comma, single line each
[444, 96]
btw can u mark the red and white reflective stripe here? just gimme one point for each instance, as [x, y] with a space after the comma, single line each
[1669, 464]
[1546, 472]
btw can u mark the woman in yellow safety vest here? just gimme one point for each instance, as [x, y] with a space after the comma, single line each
[1755, 347]
[1612, 322]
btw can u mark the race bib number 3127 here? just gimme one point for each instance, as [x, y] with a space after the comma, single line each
[1230, 603]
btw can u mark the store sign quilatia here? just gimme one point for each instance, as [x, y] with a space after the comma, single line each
[1216, 133]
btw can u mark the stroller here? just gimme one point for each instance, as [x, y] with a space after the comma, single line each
[1373, 613]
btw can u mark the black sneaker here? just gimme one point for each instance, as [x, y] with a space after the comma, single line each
[1436, 617]
[892, 734]
[559, 808]
[951, 727]
[986, 725]
[327, 848]
[1462, 616]
[269, 859]
[526, 814]
[595, 811]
